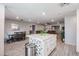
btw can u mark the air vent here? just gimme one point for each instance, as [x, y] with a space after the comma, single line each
[64, 4]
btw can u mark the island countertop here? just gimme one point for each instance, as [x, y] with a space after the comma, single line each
[41, 36]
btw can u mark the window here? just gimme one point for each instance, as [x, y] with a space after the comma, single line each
[14, 26]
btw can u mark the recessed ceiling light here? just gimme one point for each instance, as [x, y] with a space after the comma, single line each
[43, 13]
[17, 17]
[52, 20]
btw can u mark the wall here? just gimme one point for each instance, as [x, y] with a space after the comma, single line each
[77, 47]
[2, 29]
[23, 26]
[70, 29]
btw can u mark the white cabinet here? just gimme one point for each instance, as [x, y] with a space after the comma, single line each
[44, 43]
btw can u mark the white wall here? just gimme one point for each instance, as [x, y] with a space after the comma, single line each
[77, 47]
[2, 29]
[70, 29]
[22, 26]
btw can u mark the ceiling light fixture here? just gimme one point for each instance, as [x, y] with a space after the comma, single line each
[17, 17]
[43, 13]
[52, 20]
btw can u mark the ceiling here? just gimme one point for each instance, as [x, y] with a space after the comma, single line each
[38, 12]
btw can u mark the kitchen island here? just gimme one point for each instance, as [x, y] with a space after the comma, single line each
[45, 43]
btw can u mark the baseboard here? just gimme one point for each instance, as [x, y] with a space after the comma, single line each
[70, 43]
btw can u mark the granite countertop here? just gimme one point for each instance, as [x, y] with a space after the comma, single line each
[41, 36]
